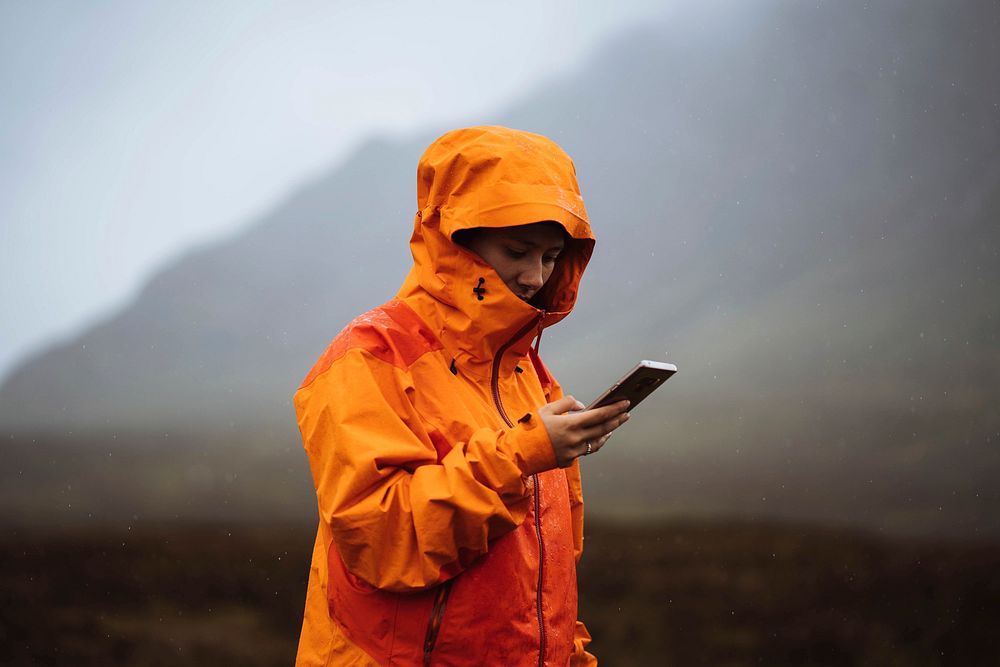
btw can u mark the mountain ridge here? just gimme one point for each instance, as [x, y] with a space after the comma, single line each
[807, 229]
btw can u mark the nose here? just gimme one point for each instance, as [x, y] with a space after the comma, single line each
[533, 276]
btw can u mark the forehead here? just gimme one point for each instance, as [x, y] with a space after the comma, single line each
[542, 234]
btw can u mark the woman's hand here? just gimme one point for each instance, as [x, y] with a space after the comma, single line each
[570, 432]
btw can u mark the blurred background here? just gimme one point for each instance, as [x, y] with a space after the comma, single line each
[798, 203]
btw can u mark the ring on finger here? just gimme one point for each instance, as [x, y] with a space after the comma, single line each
[590, 449]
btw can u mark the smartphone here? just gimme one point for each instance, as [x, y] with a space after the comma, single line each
[637, 384]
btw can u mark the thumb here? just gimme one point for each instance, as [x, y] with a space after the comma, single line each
[562, 406]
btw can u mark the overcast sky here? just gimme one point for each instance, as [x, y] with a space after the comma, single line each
[131, 130]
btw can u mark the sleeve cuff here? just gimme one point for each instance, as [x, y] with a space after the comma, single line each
[532, 447]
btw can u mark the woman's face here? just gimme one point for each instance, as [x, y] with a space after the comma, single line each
[523, 256]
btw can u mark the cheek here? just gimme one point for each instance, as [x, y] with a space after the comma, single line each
[507, 270]
[498, 261]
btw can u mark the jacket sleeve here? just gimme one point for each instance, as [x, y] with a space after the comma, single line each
[401, 519]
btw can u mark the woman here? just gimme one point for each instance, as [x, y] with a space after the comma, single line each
[443, 452]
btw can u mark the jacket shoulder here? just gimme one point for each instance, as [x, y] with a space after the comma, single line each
[392, 333]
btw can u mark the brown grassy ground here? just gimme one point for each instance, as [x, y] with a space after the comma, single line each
[674, 594]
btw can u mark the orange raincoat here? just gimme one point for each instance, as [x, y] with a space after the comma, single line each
[447, 534]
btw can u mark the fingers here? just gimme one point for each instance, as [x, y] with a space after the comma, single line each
[595, 445]
[572, 428]
[600, 415]
[562, 406]
[602, 429]
[597, 436]
[586, 428]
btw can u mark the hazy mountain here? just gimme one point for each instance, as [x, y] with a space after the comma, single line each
[797, 204]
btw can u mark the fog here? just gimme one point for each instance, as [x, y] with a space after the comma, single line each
[133, 132]
[800, 215]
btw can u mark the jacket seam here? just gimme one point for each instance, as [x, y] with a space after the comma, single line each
[368, 354]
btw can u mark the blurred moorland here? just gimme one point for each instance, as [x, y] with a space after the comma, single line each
[681, 593]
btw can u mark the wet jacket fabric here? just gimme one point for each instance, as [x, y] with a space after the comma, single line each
[447, 535]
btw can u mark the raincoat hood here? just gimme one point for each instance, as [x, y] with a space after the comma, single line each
[493, 177]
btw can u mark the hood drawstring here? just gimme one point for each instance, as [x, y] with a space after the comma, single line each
[479, 289]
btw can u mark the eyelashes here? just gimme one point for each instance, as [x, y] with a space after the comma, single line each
[515, 253]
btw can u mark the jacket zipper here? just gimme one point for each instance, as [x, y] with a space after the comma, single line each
[434, 624]
[495, 378]
[437, 612]
[541, 565]
[495, 386]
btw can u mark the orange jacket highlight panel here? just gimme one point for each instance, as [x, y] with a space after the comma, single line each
[447, 535]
